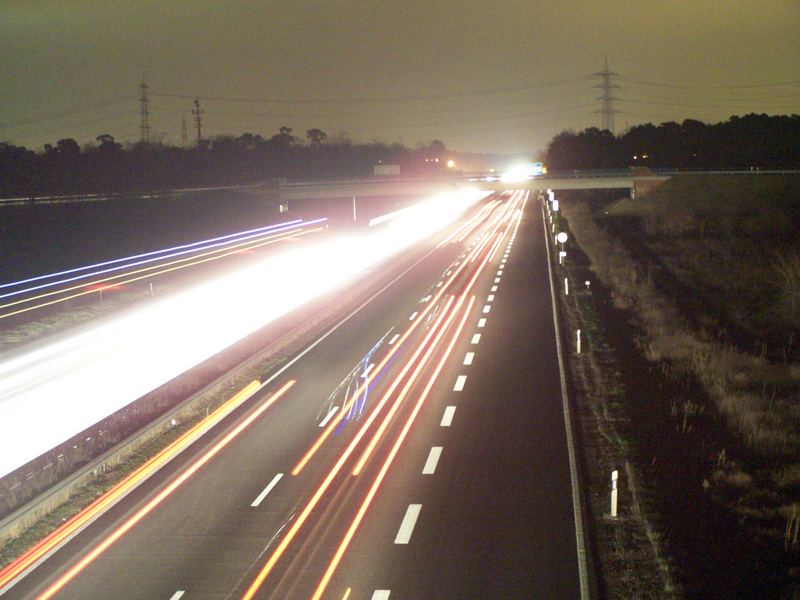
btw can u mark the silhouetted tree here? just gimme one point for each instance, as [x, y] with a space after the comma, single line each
[316, 137]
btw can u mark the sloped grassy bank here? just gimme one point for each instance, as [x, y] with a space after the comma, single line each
[713, 428]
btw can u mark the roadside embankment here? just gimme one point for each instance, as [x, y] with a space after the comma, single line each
[706, 361]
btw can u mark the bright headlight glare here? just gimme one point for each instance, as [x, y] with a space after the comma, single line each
[53, 393]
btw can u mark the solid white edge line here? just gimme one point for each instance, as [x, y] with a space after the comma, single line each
[468, 358]
[433, 459]
[447, 417]
[407, 526]
[460, 381]
[266, 490]
[329, 416]
[577, 506]
[381, 594]
[369, 368]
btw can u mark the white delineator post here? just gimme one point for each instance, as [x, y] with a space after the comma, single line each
[614, 477]
[566, 286]
[579, 341]
[354, 208]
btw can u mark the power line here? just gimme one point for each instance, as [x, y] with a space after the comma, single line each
[714, 87]
[67, 113]
[726, 105]
[81, 127]
[371, 99]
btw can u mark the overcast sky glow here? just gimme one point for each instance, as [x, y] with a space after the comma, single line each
[481, 76]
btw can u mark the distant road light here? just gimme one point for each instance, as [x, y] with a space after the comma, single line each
[451, 164]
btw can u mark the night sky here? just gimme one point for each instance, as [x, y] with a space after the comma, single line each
[480, 76]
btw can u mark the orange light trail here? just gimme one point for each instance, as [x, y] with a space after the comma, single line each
[376, 437]
[385, 423]
[272, 240]
[374, 373]
[301, 519]
[58, 536]
[147, 508]
[323, 584]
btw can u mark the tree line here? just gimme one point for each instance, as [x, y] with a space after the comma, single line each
[748, 142]
[108, 166]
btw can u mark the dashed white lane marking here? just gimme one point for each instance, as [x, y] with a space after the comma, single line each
[329, 416]
[476, 338]
[460, 381]
[503, 261]
[177, 595]
[497, 280]
[481, 322]
[447, 417]
[267, 490]
[407, 526]
[394, 339]
[490, 298]
[499, 272]
[486, 309]
[426, 298]
[381, 594]
[413, 316]
[469, 358]
[494, 288]
[439, 284]
[365, 374]
[433, 460]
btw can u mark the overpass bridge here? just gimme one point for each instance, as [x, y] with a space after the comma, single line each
[361, 188]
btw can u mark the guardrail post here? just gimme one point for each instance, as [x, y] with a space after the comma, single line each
[614, 477]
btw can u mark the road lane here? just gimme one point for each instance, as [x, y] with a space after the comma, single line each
[204, 534]
[497, 517]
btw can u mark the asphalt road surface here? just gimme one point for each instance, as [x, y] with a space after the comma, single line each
[445, 391]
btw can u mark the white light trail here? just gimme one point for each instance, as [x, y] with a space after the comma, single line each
[52, 393]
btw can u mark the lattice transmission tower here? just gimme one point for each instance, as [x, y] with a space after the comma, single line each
[607, 98]
[144, 113]
[184, 132]
[198, 121]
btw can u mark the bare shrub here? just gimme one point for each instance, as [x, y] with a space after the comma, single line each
[723, 371]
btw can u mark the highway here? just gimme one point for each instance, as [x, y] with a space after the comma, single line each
[416, 450]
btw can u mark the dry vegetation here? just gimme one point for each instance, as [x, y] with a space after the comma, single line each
[709, 269]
